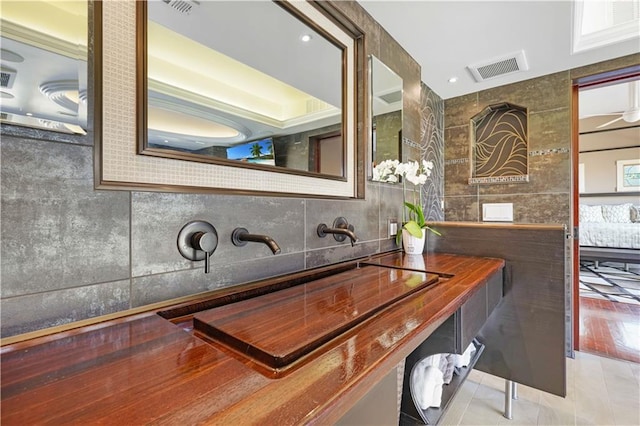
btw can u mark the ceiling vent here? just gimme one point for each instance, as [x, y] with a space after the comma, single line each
[183, 6]
[508, 64]
[7, 77]
[392, 97]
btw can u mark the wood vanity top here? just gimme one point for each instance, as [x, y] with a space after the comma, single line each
[145, 369]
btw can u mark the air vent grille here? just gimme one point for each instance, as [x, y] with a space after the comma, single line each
[392, 97]
[624, 11]
[183, 6]
[507, 64]
[499, 68]
[7, 76]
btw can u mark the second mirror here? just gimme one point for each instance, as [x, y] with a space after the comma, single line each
[386, 112]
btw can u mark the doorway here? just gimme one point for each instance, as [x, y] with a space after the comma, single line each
[606, 269]
[328, 155]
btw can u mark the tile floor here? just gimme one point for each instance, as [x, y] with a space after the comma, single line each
[600, 391]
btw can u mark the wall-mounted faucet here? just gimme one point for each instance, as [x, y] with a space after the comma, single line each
[341, 230]
[241, 236]
[198, 240]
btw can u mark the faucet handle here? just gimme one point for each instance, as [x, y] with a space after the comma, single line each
[206, 242]
[198, 240]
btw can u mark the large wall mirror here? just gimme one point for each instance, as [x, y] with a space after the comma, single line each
[243, 97]
[243, 83]
[386, 112]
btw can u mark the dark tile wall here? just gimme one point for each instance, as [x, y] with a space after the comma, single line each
[546, 197]
[70, 252]
[388, 130]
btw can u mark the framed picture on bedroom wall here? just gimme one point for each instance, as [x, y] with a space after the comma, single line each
[628, 175]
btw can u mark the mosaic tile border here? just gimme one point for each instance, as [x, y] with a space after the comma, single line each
[543, 152]
[500, 179]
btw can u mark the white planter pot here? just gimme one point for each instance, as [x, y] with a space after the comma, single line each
[411, 244]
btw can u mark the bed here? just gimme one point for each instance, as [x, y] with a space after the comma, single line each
[610, 233]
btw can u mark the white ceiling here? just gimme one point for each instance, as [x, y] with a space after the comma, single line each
[444, 37]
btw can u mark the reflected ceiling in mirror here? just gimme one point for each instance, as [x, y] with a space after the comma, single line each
[44, 65]
[386, 112]
[248, 84]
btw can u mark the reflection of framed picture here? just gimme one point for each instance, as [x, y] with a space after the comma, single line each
[628, 175]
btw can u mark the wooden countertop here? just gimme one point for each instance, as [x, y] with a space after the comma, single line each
[146, 369]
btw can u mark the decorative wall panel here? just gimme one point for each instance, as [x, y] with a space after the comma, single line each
[499, 135]
[432, 149]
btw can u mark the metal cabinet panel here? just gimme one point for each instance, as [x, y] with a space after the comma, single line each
[525, 336]
[472, 316]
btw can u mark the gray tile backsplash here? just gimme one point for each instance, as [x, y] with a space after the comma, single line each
[57, 232]
[339, 253]
[157, 218]
[362, 214]
[156, 288]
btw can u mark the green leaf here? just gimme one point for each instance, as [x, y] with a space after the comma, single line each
[417, 210]
[435, 231]
[413, 228]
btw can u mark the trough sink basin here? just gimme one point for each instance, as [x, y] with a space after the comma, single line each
[278, 328]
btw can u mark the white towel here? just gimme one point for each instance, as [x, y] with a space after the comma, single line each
[448, 368]
[464, 359]
[436, 397]
[427, 385]
[433, 360]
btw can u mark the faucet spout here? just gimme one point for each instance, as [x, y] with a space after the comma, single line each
[241, 236]
[348, 232]
[323, 230]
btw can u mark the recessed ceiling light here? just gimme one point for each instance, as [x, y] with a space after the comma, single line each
[305, 38]
[453, 79]
[30, 114]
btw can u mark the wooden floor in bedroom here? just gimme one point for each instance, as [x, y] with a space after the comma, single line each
[610, 329]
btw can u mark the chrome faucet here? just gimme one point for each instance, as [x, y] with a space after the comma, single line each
[341, 230]
[240, 237]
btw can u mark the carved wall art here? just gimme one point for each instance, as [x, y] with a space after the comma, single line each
[499, 138]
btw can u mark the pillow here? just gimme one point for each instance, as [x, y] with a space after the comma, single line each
[591, 214]
[618, 213]
[635, 214]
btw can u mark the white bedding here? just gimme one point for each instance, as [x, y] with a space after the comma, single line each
[616, 235]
